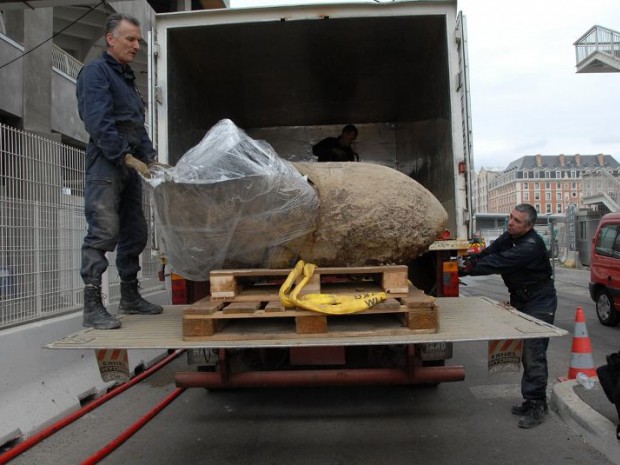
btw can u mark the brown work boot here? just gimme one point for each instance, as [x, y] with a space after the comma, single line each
[95, 314]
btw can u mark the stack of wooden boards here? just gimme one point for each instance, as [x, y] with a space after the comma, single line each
[244, 304]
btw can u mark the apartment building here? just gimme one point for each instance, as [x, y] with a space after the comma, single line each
[549, 182]
[482, 180]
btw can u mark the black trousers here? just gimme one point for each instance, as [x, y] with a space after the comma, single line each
[541, 304]
[113, 209]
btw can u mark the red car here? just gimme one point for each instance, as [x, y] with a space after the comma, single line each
[605, 270]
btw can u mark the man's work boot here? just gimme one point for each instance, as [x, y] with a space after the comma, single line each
[535, 415]
[522, 409]
[95, 314]
[133, 304]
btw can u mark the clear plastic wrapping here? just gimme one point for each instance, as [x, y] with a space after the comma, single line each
[230, 202]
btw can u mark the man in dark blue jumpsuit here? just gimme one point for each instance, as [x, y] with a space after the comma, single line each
[118, 152]
[520, 256]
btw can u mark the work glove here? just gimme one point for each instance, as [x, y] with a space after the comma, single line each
[156, 164]
[466, 266]
[139, 166]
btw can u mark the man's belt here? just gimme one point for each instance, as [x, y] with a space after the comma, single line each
[529, 289]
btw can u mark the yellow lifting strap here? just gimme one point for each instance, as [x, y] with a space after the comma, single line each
[323, 303]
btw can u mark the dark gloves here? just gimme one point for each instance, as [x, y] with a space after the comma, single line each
[467, 265]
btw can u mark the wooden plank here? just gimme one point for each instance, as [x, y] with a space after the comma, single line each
[359, 269]
[395, 280]
[226, 286]
[223, 286]
[251, 272]
[193, 328]
[416, 298]
[274, 307]
[390, 305]
[315, 324]
[241, 307]
[253, 294]
[196, 326]
[423, 320]
[418, 311]
[313, 286]
[420, 320]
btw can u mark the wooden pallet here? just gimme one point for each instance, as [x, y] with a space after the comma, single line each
[254, 311]
[246, 285]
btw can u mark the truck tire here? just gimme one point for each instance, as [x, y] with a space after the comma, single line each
[605, 309]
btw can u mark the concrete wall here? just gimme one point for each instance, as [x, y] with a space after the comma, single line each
[39, 386]
[11, 77]
[37, 98]
[65, 117]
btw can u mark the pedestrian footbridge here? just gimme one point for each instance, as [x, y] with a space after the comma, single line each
[598, 51]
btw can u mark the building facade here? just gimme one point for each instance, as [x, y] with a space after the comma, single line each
[483, 179]
[549, 182]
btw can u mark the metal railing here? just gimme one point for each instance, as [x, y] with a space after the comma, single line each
[42, 226]
[65, 63]
[598, 39]
[600, 183]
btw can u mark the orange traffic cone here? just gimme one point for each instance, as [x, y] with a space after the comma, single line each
[581, 360]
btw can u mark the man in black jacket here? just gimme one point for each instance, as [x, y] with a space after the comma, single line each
[338, 148]
[521, 258]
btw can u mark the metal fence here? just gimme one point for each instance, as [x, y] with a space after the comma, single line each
[555, 235]
[41, 230]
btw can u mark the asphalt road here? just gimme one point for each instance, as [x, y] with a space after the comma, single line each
[467, 422]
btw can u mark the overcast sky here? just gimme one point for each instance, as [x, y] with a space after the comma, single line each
[526, 97]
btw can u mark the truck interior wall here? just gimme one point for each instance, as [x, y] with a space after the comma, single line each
[306, 73]
[421, 149]
[292, 83]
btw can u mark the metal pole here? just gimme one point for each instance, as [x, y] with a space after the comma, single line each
[552, 244]
[341, 377]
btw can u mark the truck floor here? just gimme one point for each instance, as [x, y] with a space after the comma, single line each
[460, 319]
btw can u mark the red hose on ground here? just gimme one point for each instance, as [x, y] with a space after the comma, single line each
[47, 432]
[133, 429]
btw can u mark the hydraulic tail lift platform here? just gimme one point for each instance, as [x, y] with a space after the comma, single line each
[461, 319]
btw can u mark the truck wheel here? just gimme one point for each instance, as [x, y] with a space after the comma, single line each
[606, 310]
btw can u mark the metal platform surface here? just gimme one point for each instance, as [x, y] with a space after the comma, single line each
[460, 319]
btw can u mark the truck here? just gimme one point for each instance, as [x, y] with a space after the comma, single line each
[291, 76]
[296, 74]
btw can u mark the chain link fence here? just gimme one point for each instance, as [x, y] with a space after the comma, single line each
[41, 230]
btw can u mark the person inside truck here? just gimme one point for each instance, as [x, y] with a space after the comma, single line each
[118, 152]
[519, 255]
[338, 148]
